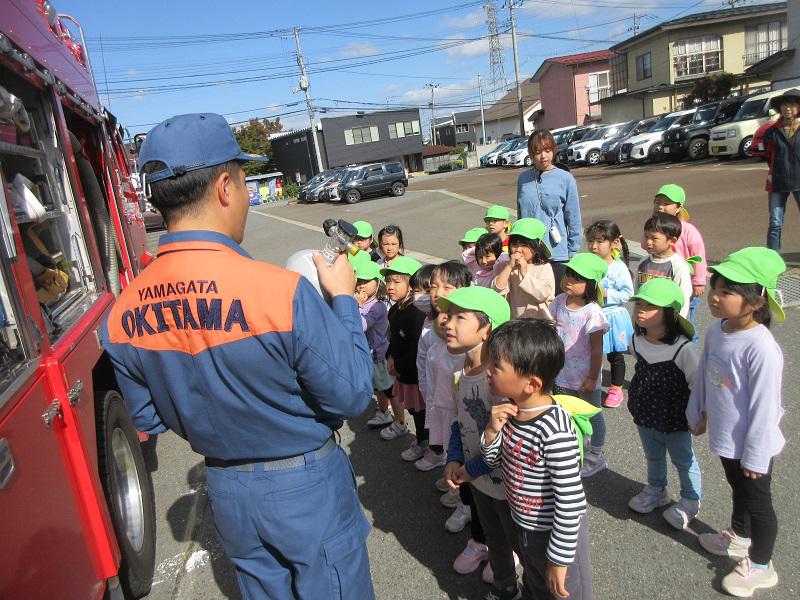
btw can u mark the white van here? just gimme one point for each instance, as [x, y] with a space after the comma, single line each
[648, 145]
[735, 137]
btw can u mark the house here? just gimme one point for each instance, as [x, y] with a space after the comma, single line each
[571, 88]
[350, 140]
[786, 72]
[653, 70]
[459, 129]
[435, 156]
[502, 117]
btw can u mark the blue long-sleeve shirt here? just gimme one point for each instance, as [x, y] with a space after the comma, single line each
[241, 358]
[455, 452]
[553, 200]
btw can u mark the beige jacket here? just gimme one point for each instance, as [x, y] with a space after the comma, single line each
[530, 296]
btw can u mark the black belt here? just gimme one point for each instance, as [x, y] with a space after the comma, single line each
[278, 464]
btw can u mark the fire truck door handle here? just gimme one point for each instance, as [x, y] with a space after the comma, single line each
[74, 393]
[6, 463]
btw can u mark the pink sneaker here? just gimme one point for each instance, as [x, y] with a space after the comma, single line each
[471, 558]
[614, 397]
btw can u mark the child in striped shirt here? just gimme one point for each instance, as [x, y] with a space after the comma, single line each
[533, 439]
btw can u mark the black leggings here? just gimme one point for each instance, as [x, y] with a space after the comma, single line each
[475, 528]
[753, 515]
[617, 362]
[419, 425]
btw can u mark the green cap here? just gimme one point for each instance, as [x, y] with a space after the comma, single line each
[675, 193]
[478, 299]
[363, 229]
[497, 212]
[665, 293]
[472, 235]
[592, 267]
[755, 265]
[358, 258]
[405, 265]
[532, 229]
[368, 270]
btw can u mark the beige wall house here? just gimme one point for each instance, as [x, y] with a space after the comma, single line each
[653, 70]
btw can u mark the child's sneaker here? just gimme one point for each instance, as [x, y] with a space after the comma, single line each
[381, 418]
[649, 499]
[412, 453]
[512, 592]
[459, 519]
[725, 543]
[394, 431]
[593, 464]
[488, 574]
[442, 485]
[745, 579]
[450, 498]
[430, 460]
[680, 514]
[471, 558]
[614, 397]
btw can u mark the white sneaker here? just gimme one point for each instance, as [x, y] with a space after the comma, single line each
[680, 514]
[459, 519]
[593, 464]
[381, 418]
[442, 485]
[649, 499]
[394, 431]
[412, 453]
[450, 499]
[724, 543]
[430, 460]
[745, 579]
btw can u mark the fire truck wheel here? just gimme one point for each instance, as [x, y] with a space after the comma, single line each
[129, 493]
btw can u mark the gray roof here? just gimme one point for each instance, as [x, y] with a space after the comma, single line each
[506, 107]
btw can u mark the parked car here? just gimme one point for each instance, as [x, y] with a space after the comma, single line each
[332, 185]
[588, 150]
[691, 140]
[376, 179]
[648, 145]
[516, 144]
[564, 140]
[153, 220]
[306, 191]
[609, 151]
[736, 137]
[490, 158]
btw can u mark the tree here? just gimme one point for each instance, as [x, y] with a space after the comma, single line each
[708, 89]
[254, 139]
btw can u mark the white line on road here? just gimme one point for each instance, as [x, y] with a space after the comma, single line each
[475, 201]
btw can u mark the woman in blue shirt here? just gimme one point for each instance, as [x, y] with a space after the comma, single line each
[550, 194]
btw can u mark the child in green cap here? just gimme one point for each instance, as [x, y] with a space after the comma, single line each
[581, 324]
[666, 364]
[486, 260]
[738, 401]
[534, 439]
[527, 280]
[472, 314]
[470, 238]
[365, 240]
[497, 220]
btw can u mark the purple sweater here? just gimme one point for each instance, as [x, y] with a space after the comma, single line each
[375, 321]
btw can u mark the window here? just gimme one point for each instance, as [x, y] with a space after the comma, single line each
[403, 129]
[463, 128]
[619, 73]
[361, 135]
[763, 40]
[697, 56]
[644, 66]
[598, 86]
[394, 167]
[373, 172]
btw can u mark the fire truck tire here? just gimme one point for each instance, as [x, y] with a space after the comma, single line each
[129, 492]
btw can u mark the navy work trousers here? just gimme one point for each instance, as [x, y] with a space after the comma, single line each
[297, 533]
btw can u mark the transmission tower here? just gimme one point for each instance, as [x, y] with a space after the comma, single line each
[497, 80]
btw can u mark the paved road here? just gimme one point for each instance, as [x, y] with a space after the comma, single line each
[634, 557]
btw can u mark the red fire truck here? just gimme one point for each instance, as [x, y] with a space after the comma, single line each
[76, 500]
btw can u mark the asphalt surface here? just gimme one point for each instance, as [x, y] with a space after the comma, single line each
[633, 556]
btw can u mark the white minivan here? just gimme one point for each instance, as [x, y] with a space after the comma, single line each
[736, 136]
[648, 145]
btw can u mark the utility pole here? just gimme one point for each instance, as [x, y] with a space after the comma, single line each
[636, 24]
[309, 105]
[433, 86]
[516, 67]
[483, 124]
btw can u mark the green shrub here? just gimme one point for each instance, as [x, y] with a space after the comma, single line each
[291, 189]
[445, 167]
[457, 164]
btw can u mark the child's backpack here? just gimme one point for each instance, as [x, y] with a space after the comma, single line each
[580, 411]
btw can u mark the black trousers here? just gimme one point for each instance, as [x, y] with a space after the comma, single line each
[475, 528]
[419, 425]
[558, 272]
[501, 537]
[753, 515]
[617, 362]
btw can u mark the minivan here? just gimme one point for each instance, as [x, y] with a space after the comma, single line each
[734, 138]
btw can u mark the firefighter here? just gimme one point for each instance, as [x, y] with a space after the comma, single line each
[246, 361]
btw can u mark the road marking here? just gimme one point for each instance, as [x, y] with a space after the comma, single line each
[420, 256]
[471, 200]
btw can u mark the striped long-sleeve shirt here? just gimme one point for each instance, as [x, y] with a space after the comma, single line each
[541, 474]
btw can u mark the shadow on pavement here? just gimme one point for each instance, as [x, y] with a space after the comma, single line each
[200, 530]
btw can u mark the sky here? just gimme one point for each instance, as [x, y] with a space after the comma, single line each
[155, 59]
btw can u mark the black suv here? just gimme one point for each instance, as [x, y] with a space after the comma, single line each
[377, 179]
[691, 140]
[566, 139]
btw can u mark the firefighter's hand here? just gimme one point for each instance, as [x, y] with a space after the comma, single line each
[337, 279]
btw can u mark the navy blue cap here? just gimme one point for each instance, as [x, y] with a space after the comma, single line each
[188, 142]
